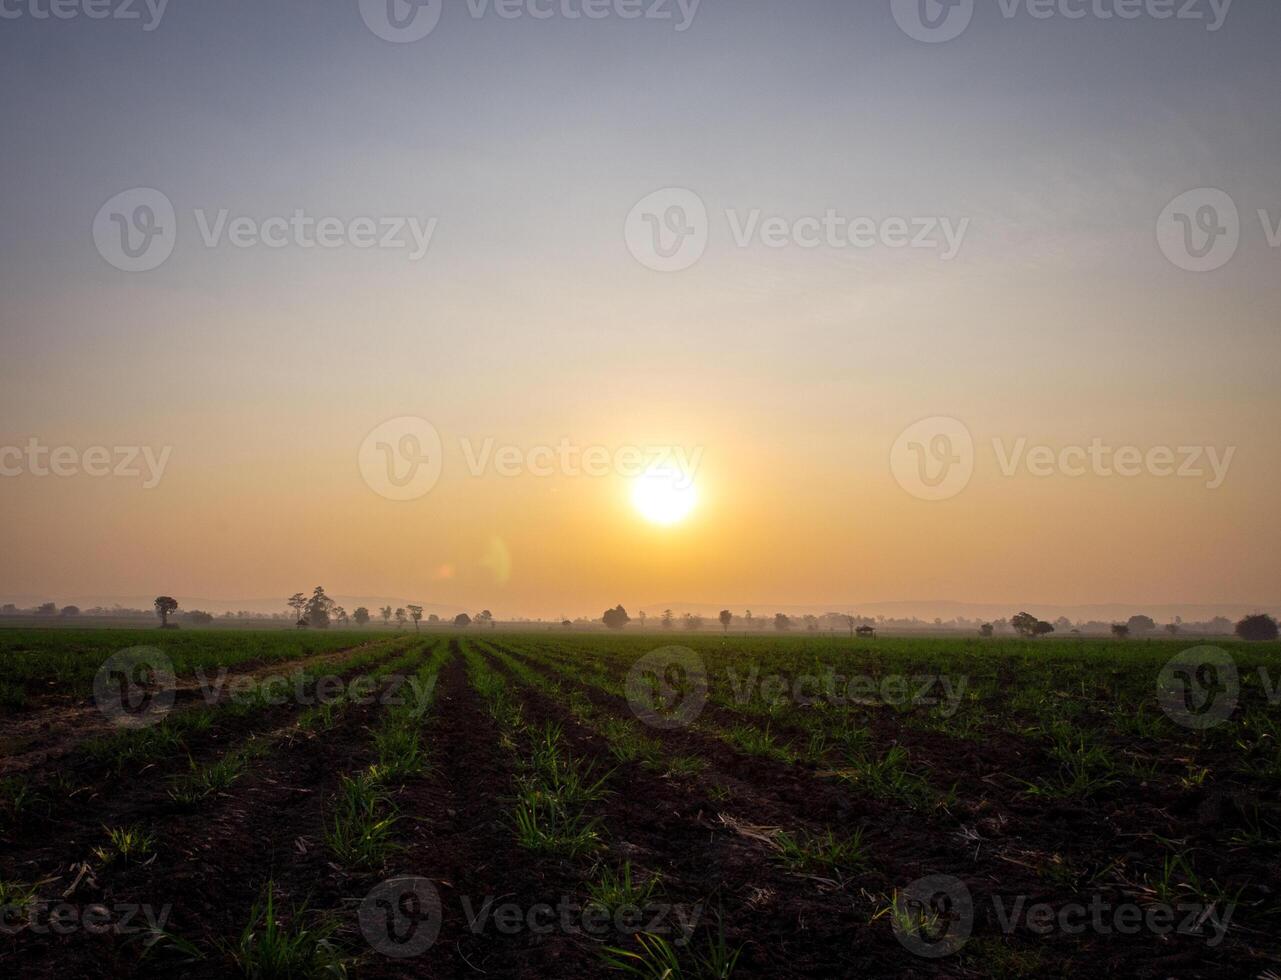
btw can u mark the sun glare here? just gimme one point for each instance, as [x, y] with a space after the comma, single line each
[664, 496]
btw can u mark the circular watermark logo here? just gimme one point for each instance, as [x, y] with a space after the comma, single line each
[933, 21]
[1200, 688]
[401, 21]
[402, 459]
[934, 916]
[135, 688]
[933, 459]
[667, 231]
[667, 688]
[1200, 231]
[136, 230]
[401, 918]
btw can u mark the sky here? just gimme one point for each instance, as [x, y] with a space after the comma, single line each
[854, 272]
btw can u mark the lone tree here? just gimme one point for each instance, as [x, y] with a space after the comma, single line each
[987, 629]
[361, 616]
[416, 614]
[726, 618]
[319, 609]
[1025, 624]
[400, 618]
[1121, 631]
[616, 618]
[1141, 624]
[851, 622]
[667, 619]
[462, 620]
[164, 606]
[1258, 628]
[385, 613]
[485, 617]
[297, 602]
[782, 623]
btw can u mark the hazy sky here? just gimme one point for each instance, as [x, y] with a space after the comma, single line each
[1052, 146]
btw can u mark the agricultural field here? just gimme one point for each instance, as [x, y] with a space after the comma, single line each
[493, 803]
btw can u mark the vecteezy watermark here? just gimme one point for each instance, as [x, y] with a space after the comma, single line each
[136, 231]
[936, 21]
[839, 690]
[669, 230]
[1200, 688]
[934, 917]
[403, 459]
[934, 459]
[1201, 230]
[149, 12]
[667, 688]
[123, 462]
[402, 918]
[407, 21]
[305, 689]
[45, 918]
[135, 688]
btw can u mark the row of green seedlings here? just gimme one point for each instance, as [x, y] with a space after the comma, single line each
[835, 734]
[801, 852]
[358, 835]
[134, 845]
[361, 832]
[827, 857]
[551, 815]
[22, 799]
[625, 740]
[203, 782]
[828, 854]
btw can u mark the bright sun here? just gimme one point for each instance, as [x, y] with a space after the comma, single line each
[664, 496]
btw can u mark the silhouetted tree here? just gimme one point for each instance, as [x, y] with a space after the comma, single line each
[416, 614]
[361, 616]
[400, 618]
[667, 619]
[462, 620]
[69, 611]
[165, 605]
[198, 618]
[616, 618]
[851, 622]
[987, 629]
[1141, 624]
[385, 612]
[297, 603]
[47, 609]
[1258, 628]
[693, 622]
[782, 623]
[726, 617]
[1121, 631]
[486, 618]
[340, 615]
[319, 609]
[1172, 629]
